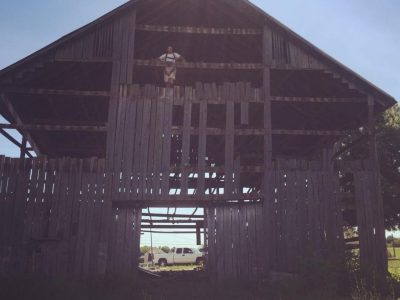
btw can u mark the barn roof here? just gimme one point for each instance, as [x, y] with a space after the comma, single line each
[347, 72]
[67, 83]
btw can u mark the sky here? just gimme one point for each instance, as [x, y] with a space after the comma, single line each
[362, 34]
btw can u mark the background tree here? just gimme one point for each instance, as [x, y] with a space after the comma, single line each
[388, 143]
[166, 249]
[144, 249]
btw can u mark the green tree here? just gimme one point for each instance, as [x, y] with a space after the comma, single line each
[166, 249]
[144, 249]
[388, 143]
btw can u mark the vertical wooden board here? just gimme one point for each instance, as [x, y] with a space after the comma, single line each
[144, 145]
[235, 229]
[90, 230]
[282, 221]
[219, 245]
[124, 41]
[37, 223]
[158, 150]
[119, 146]
[131, 46]
[137, 233]
[80, 244]
[267, 219]
[129, 150]
[202, 150]
[166, 153]
[119, 244]
[19, 218]
[252, 240]
[211, 259]
[115, 83]
[229, 143]
[244, 243]
[244, 112]
[302, 213]
[361, 218]
[31, 202]
[9, 203]
[100, 252]
[291, 220]
[267, 60]
[62, 230]
[227, 241]
[152, 150]
[136, 183]
[187, 120]
[261, 239]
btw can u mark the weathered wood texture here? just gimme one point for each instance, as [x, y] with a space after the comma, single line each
[298, 219]
[52, 216]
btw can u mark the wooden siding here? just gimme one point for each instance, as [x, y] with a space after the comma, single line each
[53, 216]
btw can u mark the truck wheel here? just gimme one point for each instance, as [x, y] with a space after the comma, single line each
[199, 261]
[162, 262]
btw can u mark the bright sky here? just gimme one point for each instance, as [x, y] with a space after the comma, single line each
[362, 34]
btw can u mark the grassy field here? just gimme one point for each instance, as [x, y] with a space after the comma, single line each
[394, 260]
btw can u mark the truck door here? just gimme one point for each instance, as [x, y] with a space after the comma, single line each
[178, 257]
[188, 256]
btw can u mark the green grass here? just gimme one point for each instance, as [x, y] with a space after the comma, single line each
[394, 260]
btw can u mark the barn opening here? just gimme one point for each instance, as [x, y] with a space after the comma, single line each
[173, 240]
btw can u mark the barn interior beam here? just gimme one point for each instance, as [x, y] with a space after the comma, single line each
[317, 99]
[201, 65]
[40, 127]
[35, 91]
[10, 109]
[199, 30]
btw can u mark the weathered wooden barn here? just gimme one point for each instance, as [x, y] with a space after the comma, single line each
[251, 132]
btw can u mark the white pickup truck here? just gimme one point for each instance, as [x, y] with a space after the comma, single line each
[179, 256]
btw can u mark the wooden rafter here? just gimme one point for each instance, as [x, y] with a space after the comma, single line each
[202, 65]
[37, 127]
[18, 121]
[199, 30]
[55, 92]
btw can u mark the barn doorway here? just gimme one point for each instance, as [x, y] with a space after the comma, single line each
[173, 241]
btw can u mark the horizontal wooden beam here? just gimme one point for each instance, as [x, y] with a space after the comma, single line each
[39, 127]
[83, 59]
[202, 65]
[310, 132]
[169, 221]
[189, 201]
[199, 30]
[261, 132]
[35, 91]
[317, 99]
[159, 215]
[177, 130]
[170, 232]
[170, 226]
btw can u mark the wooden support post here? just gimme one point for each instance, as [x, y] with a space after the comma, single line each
[23, 147]
[267, 61]
[198, 232]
